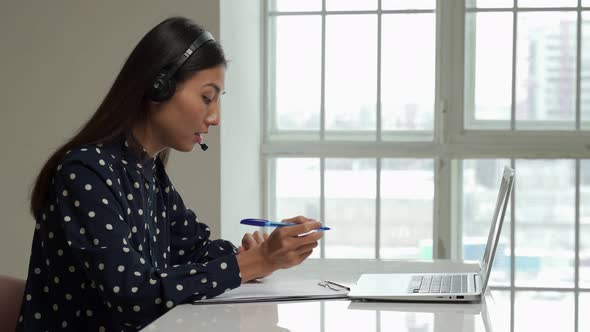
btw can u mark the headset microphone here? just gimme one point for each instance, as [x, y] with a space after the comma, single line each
[204, 146]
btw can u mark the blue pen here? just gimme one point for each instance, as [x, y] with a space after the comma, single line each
[268, 223]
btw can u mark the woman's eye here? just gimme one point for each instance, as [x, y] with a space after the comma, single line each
[207, 100]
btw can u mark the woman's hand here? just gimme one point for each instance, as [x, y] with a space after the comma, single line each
[250, 241]
[283, 248]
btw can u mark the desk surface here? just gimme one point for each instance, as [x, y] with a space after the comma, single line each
[340, 315]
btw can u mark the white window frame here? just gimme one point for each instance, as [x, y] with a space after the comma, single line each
[451, 141]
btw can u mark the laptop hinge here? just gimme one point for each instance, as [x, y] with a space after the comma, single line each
[476, 283]
[471, 284]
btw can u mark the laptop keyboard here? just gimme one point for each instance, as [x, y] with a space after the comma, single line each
[438, 284]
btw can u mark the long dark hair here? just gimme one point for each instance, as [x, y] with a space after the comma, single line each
[127, 102]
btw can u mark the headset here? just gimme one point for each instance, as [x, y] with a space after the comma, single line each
[164, 85]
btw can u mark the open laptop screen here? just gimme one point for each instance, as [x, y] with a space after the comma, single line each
[497, 221]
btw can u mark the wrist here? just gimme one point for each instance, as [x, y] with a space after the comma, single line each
[252, 264]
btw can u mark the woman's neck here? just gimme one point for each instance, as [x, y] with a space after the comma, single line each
[142, 134]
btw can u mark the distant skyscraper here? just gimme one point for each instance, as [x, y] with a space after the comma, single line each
[552, 74]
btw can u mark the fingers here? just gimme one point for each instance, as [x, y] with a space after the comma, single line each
[305, 255]
[298, 245]
[301, 228]
[248, 241]
[298, 220]
[285, 247]
[305, 248]
[312, 237]
[258, 237]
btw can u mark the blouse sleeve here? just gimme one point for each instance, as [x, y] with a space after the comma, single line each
[189, 238]
[95, 230]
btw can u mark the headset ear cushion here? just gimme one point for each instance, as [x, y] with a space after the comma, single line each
[162, 88]
[170, 89]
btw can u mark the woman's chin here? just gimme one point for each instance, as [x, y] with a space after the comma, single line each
[185, 147]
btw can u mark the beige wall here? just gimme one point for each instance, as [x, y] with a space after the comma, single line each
[57, 60]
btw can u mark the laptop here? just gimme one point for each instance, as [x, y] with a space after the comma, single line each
[440, 285]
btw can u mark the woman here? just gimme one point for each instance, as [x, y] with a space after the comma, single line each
[114, 245]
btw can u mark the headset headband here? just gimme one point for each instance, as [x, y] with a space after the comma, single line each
[163, 86]
[201, 40]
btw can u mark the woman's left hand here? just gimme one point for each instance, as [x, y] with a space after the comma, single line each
[252, 240]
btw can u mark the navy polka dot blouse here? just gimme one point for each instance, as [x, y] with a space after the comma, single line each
[115, 247]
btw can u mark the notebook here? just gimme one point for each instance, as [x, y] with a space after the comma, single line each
[275, 289]
[440, 285]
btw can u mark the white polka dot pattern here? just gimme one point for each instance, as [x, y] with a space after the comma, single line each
[126, 256]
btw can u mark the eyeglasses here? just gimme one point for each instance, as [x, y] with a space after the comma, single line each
[332, 285]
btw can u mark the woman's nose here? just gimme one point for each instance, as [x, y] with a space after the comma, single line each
[213, 118]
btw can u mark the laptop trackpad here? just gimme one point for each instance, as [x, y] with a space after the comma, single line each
[381, 284]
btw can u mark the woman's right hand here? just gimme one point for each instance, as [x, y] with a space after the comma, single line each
[283, 249]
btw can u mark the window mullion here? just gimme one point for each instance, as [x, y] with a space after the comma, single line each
[456, 202]
[451, 82]
[378, 209]
[378, 106]
[512, 246]
[323, 79]
[577, 248]
[323, 128]
[579, 66]
[442, 223]
[323, 202]
[269, 84]
[379, 137]
[470, 31]
[270, 187]
[448, 119]
[514, 48]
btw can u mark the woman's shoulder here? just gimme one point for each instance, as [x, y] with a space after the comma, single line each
[85, 154]
[97, 157]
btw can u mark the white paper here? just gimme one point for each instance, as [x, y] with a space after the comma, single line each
[272, 289]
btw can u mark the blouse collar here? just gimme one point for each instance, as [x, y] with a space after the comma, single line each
[135, 156]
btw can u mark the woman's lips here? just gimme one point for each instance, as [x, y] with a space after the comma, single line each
[198, 138]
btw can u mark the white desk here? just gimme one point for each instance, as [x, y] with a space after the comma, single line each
[339, 315]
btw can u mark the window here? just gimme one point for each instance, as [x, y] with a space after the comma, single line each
[390, 121]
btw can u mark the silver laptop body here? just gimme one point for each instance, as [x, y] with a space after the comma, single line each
[440, 286]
